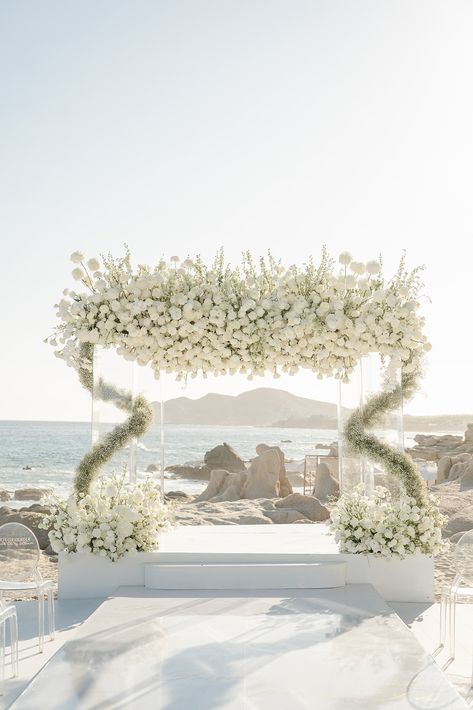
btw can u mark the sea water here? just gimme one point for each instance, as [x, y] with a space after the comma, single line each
[45, 454]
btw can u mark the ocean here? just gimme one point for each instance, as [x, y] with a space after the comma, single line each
[52, 450]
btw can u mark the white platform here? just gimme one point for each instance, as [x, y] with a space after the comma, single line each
[333, 649]
[315, 575]
[87, 576]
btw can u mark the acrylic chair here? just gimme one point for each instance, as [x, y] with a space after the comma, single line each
[460, 588]
[19, 559]
[8, 615]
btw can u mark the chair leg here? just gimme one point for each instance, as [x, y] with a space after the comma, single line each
[452, 600]
[14, 644]
[2, 654]
[51, 615]
[443, 620]
[41, 621]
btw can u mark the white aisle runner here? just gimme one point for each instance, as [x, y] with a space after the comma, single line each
[339, 649]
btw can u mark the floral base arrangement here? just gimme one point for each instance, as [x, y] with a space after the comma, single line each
[113, 520]
[387, 527]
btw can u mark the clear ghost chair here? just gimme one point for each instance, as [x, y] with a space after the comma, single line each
[19, 559]
[460, 587]
[8, 615]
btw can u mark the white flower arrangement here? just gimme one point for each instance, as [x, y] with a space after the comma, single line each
[387, 527]
[113, 520]
[186, 318]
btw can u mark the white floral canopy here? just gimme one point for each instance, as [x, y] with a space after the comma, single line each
[187, 318]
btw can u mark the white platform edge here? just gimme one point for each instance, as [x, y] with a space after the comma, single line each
[315, 575]
[86, 576]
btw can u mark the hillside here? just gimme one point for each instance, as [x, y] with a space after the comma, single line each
[260, 407]
[266, 406]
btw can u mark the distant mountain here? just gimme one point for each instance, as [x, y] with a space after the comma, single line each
[266, 406]
[260, 407]
[437, 422]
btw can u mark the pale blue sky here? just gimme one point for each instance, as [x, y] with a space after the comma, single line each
[182, 126]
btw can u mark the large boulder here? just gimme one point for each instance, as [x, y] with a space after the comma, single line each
[285, 487]
[223, 485]
[224, 457]
[443, 468]
[199, 473]
[263, 475]
[461, 469]
[325, 485]
[460, 522]
[467, 474]
[308, 505]
[469, 435]
[285, 515]
[239, 512]
[32, 493]
[5, 495]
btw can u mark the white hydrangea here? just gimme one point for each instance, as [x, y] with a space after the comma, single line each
[115, 519]
[382, 525]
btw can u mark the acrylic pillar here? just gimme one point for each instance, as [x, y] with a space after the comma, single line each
[367, 380]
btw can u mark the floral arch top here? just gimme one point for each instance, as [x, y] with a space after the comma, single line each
[187, 318]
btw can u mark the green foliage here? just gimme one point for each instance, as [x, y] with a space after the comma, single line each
[137, 424]
[395, 462]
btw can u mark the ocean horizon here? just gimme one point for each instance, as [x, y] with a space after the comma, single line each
[52, 450]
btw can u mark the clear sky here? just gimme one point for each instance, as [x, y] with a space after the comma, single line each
[179, 126]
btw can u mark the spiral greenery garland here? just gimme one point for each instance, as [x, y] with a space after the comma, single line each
[137, 424]
[395, 462]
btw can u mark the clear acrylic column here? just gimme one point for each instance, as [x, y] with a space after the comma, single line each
[368, 379]
[113, 370]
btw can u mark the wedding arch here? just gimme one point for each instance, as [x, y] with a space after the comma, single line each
[260, 317]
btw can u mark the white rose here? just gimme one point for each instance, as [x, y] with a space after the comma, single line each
[77, 273]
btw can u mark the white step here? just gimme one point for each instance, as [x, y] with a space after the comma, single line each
[314, 575]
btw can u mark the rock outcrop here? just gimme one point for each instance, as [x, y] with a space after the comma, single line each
[325, 485]
[265, 477]
[31, 493]
[285, 487]
[456, 502]
[432, 447]
[260, 511]
[223, 485]
[224, 457]
[263, 474]
[309, 506]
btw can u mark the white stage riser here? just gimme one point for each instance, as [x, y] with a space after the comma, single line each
[325, 575]
[90, 576]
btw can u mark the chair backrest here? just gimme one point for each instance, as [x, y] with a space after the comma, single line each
[19, 553]
[463, 557]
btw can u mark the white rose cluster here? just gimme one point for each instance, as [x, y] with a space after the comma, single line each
[115, 519]
[382, 525]
[187, 318]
